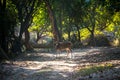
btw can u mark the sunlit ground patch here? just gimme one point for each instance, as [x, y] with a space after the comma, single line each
[87, 70]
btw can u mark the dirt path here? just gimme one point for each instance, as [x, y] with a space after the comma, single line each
[44, 66]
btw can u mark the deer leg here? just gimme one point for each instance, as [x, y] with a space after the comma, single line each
[71, 54]
[58, 53]
[67, 53]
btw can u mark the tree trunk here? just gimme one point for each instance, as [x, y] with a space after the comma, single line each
[27, 43]
[78, 31]
[69, 38]
[92, 39]
[25, 17]
[56, 35]
[3, 30]
[60, 23]
[79, 37]
[92, 30]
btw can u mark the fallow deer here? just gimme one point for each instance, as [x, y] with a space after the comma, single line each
[60, 46]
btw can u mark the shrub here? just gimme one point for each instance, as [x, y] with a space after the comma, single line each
[100, 40]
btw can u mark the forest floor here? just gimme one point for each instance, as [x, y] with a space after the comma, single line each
[98, 63]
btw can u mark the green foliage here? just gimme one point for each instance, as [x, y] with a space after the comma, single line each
[92, 14]
[116, 18]
[40, 19]
[99, 38]
[40, 16]
[84, 33]
[117, 31]
[85, 16]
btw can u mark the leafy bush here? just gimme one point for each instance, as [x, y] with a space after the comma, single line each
[100, 40]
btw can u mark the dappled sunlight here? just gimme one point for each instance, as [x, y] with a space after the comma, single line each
[97, 55]
[103, 57]
[104, 71]
[46, 66]
[56, 65]
[52, 69]
[85, 32]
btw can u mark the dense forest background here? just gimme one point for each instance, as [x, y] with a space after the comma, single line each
[29, 24]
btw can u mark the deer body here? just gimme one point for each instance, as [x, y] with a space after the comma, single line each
[60, 46]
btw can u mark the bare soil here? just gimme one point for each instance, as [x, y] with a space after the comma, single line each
[44, 65]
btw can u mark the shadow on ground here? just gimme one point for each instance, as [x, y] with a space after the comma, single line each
[99, 55]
